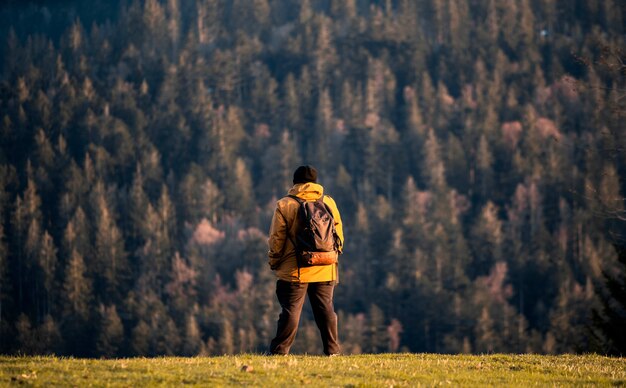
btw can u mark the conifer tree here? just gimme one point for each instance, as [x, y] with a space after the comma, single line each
[173, 26]
[181, 287]
[49, 340]
[226, 342]
[192, 342]
[76, 235]
[569, 316]
[48, 263]
[434, 166]
[166, 235]
[26, 340]
[169, 341]
[324, 54]
[239, 194]
[484, 170]
[140, 345]
[484, 332]
[110, 258]
[4, 278]
[609, 317]
[154, 23]
[77, 288]
[487, 239]
[27, 228]
[376, 331]
[111, 333]
[138, 205]
[292, 104]
[321, 151]
[277, 164]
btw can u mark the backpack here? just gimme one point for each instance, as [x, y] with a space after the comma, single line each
[316, 238]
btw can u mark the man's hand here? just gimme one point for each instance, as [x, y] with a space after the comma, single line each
[274, 263]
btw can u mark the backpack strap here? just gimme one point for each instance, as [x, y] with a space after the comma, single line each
[300, 202]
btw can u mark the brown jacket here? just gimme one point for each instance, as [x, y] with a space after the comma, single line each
[282, 252]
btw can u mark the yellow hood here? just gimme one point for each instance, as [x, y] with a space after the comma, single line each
[308, 191]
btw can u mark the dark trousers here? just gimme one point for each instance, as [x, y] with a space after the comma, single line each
[291, 298]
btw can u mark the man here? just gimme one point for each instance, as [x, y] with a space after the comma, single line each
[295, 280]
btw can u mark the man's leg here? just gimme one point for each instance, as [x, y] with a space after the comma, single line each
[321, 298]
[291, 298]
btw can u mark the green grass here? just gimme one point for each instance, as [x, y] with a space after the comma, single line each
[362, 370]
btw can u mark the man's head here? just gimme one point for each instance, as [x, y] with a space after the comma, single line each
[304, 174]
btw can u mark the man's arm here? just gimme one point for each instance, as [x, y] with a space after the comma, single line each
[276, 240]
[338, 222]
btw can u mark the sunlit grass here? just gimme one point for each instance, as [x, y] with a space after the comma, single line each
[361, 370]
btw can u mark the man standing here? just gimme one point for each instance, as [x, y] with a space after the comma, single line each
[297, 278]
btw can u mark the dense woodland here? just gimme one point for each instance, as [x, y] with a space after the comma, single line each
[475, 148]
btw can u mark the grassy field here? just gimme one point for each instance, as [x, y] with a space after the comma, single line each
[363, 370]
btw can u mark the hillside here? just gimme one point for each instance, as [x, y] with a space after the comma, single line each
[475, 150]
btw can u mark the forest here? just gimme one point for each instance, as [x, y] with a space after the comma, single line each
[476, 150]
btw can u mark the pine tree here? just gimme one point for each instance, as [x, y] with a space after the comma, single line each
[170, 341]
[161, 228]
[109, 253]
[610, 316]
[320, 152]
[349, 109]
[26, 228]
[238, 193]
[352, 333]
[76, 187]
[199, 197]
[76, 303]
[138, 203]
[49, 340]
[456, 162]
[173, 26]
[484, 332]
[487, 239]
[458, 13]
[154, 23]
[226, 342]
[306, 12]
[192, 343]
[77, 288]
[377, 335]
[325, 55]
[111, 333]
[140, 345]
[434, 166]
[484, 164]
[181, 288]
[76, 235]
[570, 317]
[48, 263]
[292, 117]
[26, 340]
[278, 162]
[4, 279]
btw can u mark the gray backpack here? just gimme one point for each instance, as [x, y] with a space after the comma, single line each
[316, 239]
